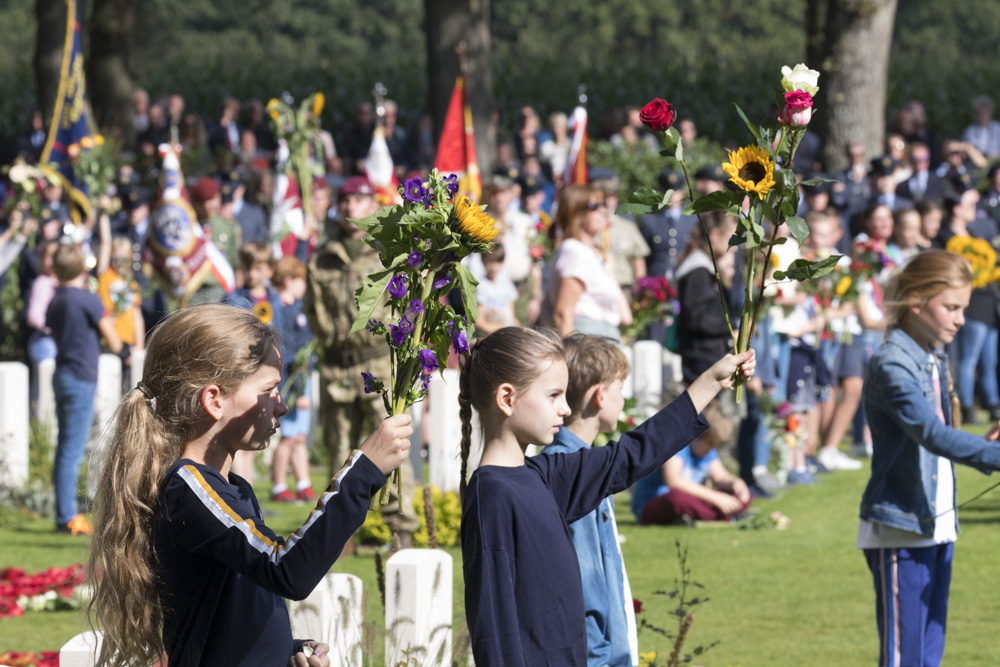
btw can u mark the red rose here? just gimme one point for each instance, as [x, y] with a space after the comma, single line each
[658, 115]
[637, 606]
[798, 109]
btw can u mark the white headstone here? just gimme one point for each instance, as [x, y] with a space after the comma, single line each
[333, 613]
[444, 448]
[418, 607]
[314, 391]
[47, 397]
[628, 384]
[14, 418]
[109, 395]
[672, 373]
[647, 374]
[135, 370]
[81, 651]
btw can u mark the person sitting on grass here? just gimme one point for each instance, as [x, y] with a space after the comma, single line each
[597, 369]
[679, 492]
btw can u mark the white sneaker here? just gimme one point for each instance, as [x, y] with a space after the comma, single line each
[860, 450]
[834, 459]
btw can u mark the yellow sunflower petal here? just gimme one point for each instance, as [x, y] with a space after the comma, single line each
[474, 221]
[751, 169]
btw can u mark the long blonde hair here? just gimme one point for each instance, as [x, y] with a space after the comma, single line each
[926, 275]
[510, 354]
[207, 344]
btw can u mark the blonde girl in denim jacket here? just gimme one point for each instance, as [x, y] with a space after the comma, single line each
[908, 519]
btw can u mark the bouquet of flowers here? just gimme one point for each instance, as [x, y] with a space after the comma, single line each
[297, 128]
[981, 257]
[28, 181]
[93, 164]
[869, 261]
[421, 243]
[543, 241]
[652, 301]
[765, 191]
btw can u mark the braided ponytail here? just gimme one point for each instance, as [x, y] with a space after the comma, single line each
[465, 414]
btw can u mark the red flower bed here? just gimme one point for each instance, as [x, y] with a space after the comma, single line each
[15, 582]
[18, 659]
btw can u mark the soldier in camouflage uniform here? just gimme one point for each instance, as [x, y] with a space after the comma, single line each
[336, 270]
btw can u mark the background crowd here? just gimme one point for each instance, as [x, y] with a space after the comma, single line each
[564, 259]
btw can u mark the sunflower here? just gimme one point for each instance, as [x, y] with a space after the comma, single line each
[264, 312]
[318, 102]
[473, 221]
[751, 169]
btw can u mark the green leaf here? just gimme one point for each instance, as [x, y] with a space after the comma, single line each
[803, 270]
[817, 181]
[368, 295]
[391, 215]
[467, 284]
[781, 240]
[715, 201]
[798, 227]
[753, 128]
[645, 201]
[786, 179]
[755, 234]
[737, 239]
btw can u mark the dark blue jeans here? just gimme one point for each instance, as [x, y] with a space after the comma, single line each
[75, 414]
[977, 344]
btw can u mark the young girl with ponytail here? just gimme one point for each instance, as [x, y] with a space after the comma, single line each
[523, 593]
[181, 561]
[908, 517]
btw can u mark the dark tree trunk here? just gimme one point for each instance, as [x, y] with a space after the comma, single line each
[849, 42]
[449, 22]
[109, 77]
[51, 16]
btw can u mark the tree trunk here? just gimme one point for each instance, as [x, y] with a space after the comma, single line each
[849, 42]
[51, 16]
[449, 22]
[109, 78]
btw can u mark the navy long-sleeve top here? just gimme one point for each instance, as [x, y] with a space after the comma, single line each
[523, 593]
[225, 575]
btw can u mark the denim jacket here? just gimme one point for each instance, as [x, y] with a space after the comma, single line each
[898, 400]
[602, 571]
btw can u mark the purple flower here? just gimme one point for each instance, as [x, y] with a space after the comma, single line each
[413, 261]
[429, 361]
[413, 190]
[372, 384]
[397, 286]
[372, 325]
[398, 335]
[783, 411]
[405, 325]
[451, 182]
[459, 341]
[415, 308]
[442, 281]
[427, 381]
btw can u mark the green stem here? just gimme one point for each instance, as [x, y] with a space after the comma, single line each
[711, 251]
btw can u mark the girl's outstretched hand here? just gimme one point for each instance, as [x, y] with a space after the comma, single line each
[994, 433]
[720, 376]
[312, 654]
[388, 445]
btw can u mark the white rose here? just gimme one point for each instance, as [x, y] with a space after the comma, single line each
[800, 78]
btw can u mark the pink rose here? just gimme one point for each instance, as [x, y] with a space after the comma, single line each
[798, 109]
[658, 115]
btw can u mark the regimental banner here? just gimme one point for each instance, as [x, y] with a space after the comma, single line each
[70, 115]
[576, 164]
[456, 152]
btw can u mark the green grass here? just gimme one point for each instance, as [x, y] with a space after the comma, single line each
[802, 596]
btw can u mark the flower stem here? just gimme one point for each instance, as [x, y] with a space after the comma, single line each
[711, 251]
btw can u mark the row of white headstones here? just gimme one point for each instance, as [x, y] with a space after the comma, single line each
[418, 586]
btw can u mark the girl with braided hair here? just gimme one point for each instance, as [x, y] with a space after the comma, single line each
[523, 593]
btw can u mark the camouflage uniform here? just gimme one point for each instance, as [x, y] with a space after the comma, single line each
[348, 414]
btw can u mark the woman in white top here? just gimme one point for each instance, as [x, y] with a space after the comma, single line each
[583, 294]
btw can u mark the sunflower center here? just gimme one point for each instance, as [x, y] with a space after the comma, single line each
[754, 171]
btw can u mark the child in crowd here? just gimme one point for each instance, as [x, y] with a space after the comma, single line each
[679, 492]
[257, 265]
[906, 236]
[495, 295]
[181, 562]
[290, 280]
[909, 522]
[121, 295]
[77, 319]
[931, 215]
[597, 369]
[41, 345]
[523, 605]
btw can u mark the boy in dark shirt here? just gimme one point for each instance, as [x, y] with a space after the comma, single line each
[78, 320]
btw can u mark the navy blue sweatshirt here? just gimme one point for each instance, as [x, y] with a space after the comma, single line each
[523, 594]
[225, 575]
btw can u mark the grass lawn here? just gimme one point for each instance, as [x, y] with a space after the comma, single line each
[802, 596]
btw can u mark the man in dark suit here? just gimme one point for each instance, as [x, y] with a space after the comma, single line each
[923, 184]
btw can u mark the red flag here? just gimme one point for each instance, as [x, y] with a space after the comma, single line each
[576, 164]
[457, 147]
